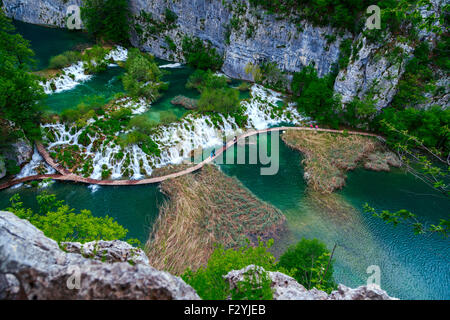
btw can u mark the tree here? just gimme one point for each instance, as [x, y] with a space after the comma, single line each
[208, 281]
[20, 92]
[143, 76]
[107, 19]
[200, 55]
[61, 223]
[311, 264]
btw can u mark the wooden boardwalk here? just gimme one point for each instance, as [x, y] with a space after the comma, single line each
[66, 175]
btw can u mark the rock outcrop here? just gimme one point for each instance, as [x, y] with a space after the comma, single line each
[43, 12]
[107, 251]
[286, 288]
[33, 266]
[17, 148]
[244, 33]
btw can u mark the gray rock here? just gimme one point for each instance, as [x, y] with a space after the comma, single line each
[23, 151]
[2, 167]
[268, 39]
[107, 251]
[371, 292]
[44, 271]
[287, 288]
[43, 12]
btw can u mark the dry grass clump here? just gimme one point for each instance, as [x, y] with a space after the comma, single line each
[204, 209]
[328, 156]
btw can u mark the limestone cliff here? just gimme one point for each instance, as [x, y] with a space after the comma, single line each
[245, 34]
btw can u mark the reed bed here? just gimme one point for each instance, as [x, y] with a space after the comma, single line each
[328, 156]
[204, 209]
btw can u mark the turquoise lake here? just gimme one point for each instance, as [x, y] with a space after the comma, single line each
[412, 267]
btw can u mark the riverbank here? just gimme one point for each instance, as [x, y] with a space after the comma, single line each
[204, 209]
[329, 156]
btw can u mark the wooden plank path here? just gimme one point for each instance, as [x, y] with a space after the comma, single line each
[66, 175]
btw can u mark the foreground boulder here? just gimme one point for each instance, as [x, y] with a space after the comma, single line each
[287, 288]
[33, 266]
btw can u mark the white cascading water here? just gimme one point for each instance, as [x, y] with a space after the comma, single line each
[75, 74]
[30, 169]
[176, 140]
[65, 81]
[171, 66]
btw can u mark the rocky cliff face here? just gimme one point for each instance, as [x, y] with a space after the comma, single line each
[33, 266]
[258, 37]
[45, 12]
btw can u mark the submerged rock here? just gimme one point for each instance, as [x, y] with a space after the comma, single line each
[287, 288]
[44, 271]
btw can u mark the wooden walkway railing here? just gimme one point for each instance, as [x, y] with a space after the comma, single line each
[66, 175]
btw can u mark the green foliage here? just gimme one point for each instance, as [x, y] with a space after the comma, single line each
[20, 92]
[142, 124]
[309, 262]
[224, 100]
[345, 53]
[406, 217]
[208, 281]
[94, 59]
[269, 75]
[143, 76]
[167, 117]
[315, 96]
[431, 127]
[201, 80]
[255, 286]
[338, 13]
[64, 60]
[170, 16]
[61, 223]
[84, 111]
[107, 19]
[171, 43]
[200, 55]
[142, 140]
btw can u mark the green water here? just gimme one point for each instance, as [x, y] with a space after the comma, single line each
[105, 84]
[134, 207]
[49, 42]
[412, 267]
[415, 267]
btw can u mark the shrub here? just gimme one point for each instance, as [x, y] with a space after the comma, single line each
[201, 56]
[142, 124]
[224, 100]
[107, 19]
[61, 223]
[143, 76]
[64, 60]
[201, 79]
[167, 117]
[209, 282]
[308, 261]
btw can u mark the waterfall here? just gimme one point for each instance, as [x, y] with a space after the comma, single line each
[75, 74]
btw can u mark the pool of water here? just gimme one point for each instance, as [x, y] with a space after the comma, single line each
[134, 207]
[49, 42]
[412, 267]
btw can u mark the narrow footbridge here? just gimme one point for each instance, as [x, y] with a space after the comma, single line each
[66, 175]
